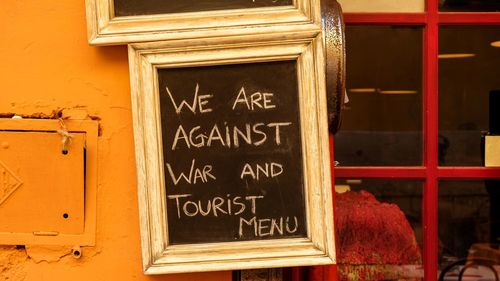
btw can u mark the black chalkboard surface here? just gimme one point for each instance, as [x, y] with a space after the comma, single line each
[232, 152]
[154, 7]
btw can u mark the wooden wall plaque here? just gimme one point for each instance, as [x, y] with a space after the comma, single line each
[130, 21]
[232, 154]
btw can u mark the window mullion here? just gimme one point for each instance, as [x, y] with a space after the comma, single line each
[430, 111]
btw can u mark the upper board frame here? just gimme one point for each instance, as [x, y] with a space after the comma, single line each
[157, 255]
[106, 29]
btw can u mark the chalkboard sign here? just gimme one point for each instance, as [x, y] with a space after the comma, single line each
[232, 152]
[153, 7]
[132, 21]
[232, 155]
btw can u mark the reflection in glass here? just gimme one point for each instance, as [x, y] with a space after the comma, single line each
[379, 229]
[469, 5]
[382, 123]
[469, 228]
[466, 88]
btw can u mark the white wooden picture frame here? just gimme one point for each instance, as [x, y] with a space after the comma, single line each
[158, 256]
[104, 28]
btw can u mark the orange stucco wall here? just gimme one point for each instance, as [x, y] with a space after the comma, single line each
[46, 63]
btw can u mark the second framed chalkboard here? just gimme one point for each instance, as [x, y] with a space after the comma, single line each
[232, 154]
[130, 21]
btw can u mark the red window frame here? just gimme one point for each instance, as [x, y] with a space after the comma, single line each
[430, 172]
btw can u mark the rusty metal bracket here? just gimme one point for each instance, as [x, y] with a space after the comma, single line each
[334, 45]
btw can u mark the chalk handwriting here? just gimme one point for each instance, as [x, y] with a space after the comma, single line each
[266, 170]
[230, 205]
[229, 136]
[200, 101]
[203, 174]
[221, 133]
[268, 226]
[256, 100]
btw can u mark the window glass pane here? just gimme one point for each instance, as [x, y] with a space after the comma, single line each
[379, 229]
[469, 5]
[372, 6]
[382, 124]
[469, 68]
[469, 228]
